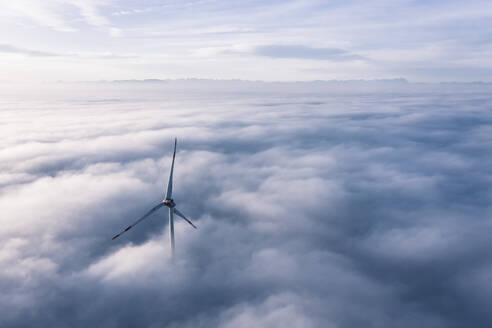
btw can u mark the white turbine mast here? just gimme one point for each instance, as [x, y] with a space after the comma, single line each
[169, 202]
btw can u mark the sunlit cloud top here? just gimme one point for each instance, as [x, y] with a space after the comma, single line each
[425, 41]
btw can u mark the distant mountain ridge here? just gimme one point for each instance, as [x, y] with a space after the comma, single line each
[395, 80]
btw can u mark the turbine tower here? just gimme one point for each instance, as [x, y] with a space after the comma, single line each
[169, 202]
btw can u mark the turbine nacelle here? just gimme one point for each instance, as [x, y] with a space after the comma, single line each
[169, 203]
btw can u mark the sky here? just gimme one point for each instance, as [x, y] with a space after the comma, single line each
[292, 40]
[334, 205]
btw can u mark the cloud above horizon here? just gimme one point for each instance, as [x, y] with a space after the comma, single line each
[7, 48]
[303, 52]
[331, 207]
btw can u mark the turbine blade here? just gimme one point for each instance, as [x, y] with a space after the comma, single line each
[155, 208]
[178, 213]
[169, 193]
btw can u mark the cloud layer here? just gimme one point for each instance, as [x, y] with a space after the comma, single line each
[320, 205]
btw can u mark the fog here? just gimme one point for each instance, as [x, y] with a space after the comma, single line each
[319, 204]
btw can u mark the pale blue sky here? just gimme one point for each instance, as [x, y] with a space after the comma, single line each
[427, 41]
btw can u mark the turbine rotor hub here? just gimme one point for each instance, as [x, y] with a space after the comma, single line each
[169, 203]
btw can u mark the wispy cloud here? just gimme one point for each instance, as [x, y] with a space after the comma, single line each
[305, 52]
[57, 14]
[7, 48]
[90, 12]
[10, 49]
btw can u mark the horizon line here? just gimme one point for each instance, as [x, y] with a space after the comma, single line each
[400, 80]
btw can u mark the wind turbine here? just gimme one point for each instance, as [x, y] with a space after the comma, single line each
[169, 202]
